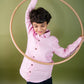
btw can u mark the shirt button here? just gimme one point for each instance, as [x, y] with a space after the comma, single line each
[31, 64]
[35, 48]
[53, 52]
[29, 71]
[33, 56]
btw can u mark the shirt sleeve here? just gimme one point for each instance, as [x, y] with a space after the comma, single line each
[65, 52]
[27, 19]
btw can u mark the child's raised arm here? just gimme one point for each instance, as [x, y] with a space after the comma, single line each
[61, 52]
[27, 19]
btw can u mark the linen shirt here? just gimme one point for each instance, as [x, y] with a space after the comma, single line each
[41, 48]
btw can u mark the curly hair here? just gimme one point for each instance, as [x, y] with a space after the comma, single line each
[39, 15]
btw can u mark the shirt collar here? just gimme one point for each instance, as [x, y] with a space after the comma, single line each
[45, 35]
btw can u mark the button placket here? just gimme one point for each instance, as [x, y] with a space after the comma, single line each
[31, 67]
[37, 42]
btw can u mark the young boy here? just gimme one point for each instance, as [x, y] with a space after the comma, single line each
[41, 46]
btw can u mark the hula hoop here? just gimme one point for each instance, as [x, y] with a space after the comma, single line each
[54, 63]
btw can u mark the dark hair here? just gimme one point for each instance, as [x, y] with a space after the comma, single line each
[39, 15]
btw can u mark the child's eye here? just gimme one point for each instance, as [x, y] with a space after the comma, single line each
[36, 26]
[42, 26]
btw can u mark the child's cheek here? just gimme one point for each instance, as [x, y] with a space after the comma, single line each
[35, 29]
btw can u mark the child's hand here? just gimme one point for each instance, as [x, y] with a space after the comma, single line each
[82, 37]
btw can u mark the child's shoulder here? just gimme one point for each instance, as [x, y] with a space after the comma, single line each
[53, 38]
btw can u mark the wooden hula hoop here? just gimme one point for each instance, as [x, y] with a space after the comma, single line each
[55, 63]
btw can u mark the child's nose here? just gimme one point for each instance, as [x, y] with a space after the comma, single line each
[39, 29]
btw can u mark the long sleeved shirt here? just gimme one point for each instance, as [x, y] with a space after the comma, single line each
[41, 48]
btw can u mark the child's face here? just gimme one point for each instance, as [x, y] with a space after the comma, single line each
[40, 28]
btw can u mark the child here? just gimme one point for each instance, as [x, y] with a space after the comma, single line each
[41, 46]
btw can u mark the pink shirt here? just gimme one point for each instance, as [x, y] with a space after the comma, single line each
[41, 48]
